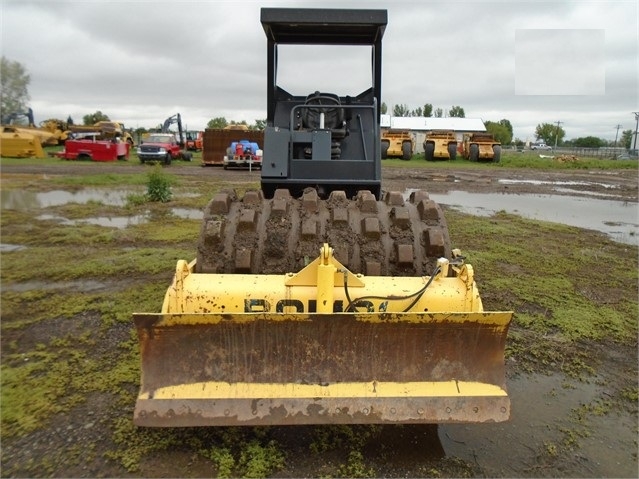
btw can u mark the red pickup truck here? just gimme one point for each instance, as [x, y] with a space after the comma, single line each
[161, 147]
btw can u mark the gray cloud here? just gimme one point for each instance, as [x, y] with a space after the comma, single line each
[142, 61]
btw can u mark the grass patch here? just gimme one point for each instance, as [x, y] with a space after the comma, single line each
[515, 160]
[41, 383]
[239, 455]
[509, 159]
[233, 451]
[85, 263]
[106, 179]
[566, 286]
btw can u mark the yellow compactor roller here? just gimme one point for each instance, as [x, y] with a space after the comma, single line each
[325, 344]
[320, 298]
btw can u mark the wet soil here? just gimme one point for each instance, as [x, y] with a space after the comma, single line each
[73, 444]
[623, 183]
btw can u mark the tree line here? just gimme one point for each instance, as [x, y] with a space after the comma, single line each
[222, 122]
[402, 109]
[553, 134]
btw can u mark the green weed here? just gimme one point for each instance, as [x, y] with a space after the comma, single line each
[355, 466]
[159, 185]
[631, 394]
[551, 448]
[134, 443]
[342, 436]
[241, 452]
[223, 460]
[257, 460]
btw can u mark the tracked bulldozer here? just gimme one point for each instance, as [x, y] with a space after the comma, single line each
[320, 298]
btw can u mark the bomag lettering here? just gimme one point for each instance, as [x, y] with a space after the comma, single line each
[260, 305]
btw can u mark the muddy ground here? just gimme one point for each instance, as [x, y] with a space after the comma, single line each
[77, 441]
[591, 182]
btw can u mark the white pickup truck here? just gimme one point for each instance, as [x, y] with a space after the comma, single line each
[540, 146]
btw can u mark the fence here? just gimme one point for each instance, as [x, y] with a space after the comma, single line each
[605, 152]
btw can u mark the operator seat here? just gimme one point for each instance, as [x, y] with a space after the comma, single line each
[334, 119]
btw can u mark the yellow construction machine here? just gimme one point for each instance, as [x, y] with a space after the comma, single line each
[58, 128]
[319, 298]
[103, 130]
[481, 146]
[18, 143]
[48, 134]
[397, 143]
[440, 145]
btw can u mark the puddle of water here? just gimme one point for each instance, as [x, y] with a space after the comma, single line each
[121, 222]
[84, 286]
[506, 449]
[188, 213]
[26, 200]
[607, 449]
[590, 193]
[572, 187]
[8, 248]
[556, 183]
[618, 219]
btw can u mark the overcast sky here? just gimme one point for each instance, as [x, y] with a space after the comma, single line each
[141, 62]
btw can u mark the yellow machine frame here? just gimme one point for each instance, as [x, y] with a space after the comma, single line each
[323, 345]
[16, 143]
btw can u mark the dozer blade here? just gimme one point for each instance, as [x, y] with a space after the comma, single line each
[319, 368]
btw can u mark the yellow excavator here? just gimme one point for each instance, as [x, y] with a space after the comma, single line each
[320, 298]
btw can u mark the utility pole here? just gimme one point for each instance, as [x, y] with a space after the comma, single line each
[557, 133]
[617, 135]
[636, 113]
